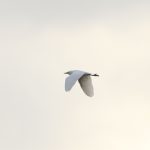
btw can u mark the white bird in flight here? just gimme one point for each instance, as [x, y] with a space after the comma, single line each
[84, 81]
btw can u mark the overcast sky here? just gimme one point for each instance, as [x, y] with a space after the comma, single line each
[40, 40]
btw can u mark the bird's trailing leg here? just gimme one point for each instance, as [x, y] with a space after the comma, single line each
[95, 75]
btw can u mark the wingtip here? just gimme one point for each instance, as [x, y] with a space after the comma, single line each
[89, 95]
[67, 89]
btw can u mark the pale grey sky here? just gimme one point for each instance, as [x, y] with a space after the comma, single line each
[40, 40]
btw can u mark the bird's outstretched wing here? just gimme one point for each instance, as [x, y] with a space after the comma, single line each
[86, 85]
[71, 80]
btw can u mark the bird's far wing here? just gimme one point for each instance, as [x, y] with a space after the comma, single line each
[71, 80]
[86, 85]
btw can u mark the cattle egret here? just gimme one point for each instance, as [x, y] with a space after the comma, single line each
[84, 81]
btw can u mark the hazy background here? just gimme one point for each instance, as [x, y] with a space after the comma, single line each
[42, 39]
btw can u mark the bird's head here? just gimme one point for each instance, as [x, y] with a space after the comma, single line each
[68, 72]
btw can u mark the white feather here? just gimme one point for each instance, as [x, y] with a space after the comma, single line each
[71, 80]
[84, 81]
[86, 85]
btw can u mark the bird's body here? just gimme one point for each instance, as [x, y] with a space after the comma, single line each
[84, 81]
